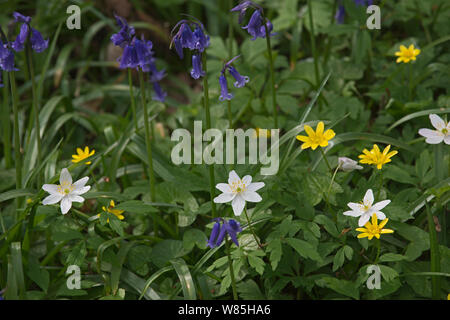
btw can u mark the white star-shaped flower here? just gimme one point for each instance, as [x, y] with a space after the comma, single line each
[442, 132]
[66, 192]
[347, 164]
[238, 191]
[366, 208]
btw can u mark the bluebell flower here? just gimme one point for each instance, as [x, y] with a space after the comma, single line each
[144, 53]
[255, 26]
[129, 57]
[218, 233]
[38, 44]
[224, 94]
[6, 58]
[125, 34]
[242, 8]
[197, 70]
[185, 38]
[340, 14]
[240, 80]
[159, 95]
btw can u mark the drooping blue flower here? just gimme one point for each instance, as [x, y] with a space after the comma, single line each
[144, 53]
[197, 70]
[255, 26]
[230, 227]
[129, 57]
[6, 58]
[38, 44]
[240, 80]
[242, 8]
[224, 94]
[125, 34]
[340, 14]
[160, 94]
[185, 38]
[201, 40]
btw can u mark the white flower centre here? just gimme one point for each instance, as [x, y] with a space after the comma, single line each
[365, 207]
[237, 187]
[65, 188]
[445, 131]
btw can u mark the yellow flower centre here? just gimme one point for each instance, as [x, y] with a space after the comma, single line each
[66, 191]
[365, 207]
[444, 131]
[237, 187]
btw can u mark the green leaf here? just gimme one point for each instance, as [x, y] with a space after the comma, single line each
[344, 287]
[392, 257]
[328, 224]
[136, 206]
[194, 237]
[77, 254]
[249, 290]
[8, 195]
[187, 283]
[256, 262]
[276, 252]
[167, 250]
[338, 259]
[39, 275]
[304, 249]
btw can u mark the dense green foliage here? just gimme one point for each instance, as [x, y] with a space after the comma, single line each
[310, 250]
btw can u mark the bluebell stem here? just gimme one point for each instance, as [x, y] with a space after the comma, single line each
[224, 94]
[197, 70]
[38, 44]
[218, 233]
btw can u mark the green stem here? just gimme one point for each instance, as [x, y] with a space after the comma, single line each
[230, 265]
[434, 254]
[251, 228]
[272, 76]
[17, 147]
[29, 61]
[380, 185]
[133, 101]
[378, 251]
[325, 158]
[148, 143]
[329, 189]
[410, 83]
[6, 123]
[212, 183]
[313, 43]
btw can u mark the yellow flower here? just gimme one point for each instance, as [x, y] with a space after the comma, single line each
[374, 229]
[110, 209]
[375, 156]
[317, 138]
[407, 54]
[82, 155]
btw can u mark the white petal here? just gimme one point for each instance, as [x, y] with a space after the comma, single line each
[50, 188]
[380, 215]
[380, 205]
[81, 183]
[251, 196]
[255, 186]
[66, 204]
[238, 205]
[233, 177]
[81, 190]
[65, 178]
[355, 207]
[363, 220]
[76, 198]
[437, 122]
[52, 199]
[224, 187]
[432, 136]
[368, 198]
[352, 213]
[224, 197]
[247, 180]
[447, 139]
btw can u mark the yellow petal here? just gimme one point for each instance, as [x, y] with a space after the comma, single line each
[314, 146]
[306, 145]
[403, 48]
[416, 52]
[377, 235]
[374, 220]
[79, 151]
[329, 134]
[387, 231]
[112, 204]
[323, 143]
[386, 150]
[86, 150]
[370, 236]
[319, 129]
[411, 47]
[361, 229]
[363, 235]
[92, 153]
[309, 131]
[383, 223]
[302, 138]
[399, 59]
